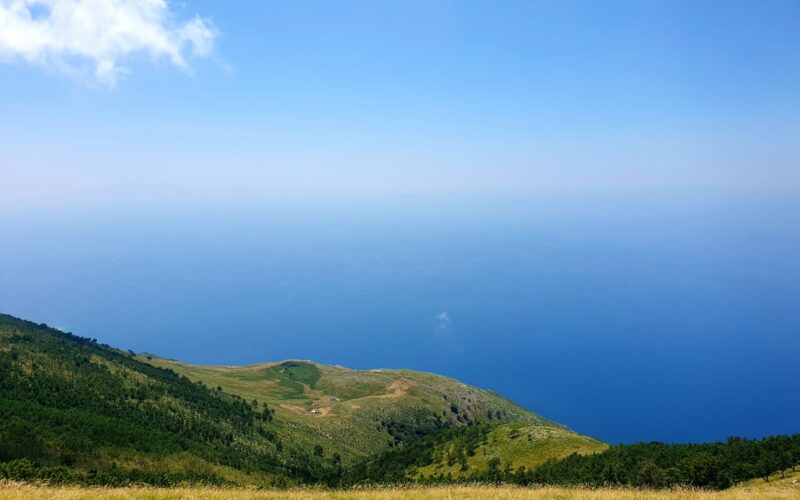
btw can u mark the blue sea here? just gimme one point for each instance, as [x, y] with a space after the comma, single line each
[671, 317]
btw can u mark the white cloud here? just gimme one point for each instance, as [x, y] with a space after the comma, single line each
[443, 322]
[77, 37]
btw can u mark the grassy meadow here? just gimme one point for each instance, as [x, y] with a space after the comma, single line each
[519, 445]
[778, 488]
[348, 412]
[23, 492]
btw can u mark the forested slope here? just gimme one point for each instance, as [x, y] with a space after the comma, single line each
[75, 411]
[67, 401]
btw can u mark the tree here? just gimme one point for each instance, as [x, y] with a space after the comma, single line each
[613, 472]
[493, 469]
[650, 475]
[784, 462]
[765, 466]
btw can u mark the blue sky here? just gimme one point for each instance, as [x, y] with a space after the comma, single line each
[373, 99]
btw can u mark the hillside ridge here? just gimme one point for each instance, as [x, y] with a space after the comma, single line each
[114, 416]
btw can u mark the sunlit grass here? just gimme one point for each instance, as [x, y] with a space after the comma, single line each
[516, 444]
[24, 491]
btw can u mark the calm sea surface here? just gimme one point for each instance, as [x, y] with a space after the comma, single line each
[629, 318]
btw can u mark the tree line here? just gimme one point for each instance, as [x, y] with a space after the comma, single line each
[71, 408]
[716, 465]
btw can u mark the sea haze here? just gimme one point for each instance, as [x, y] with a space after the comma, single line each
[649, 317]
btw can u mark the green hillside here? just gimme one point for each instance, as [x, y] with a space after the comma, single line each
[358, 413]
[66, 401]
[505, 447]
[73, 410]
[483, 452]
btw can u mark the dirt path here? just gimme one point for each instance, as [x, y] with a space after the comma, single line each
[397, 388]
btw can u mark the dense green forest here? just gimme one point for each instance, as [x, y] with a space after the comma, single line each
[657, 465]
[75, 411]
[395, 466]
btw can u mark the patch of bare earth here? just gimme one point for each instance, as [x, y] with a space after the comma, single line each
[397, 388]
[313, 412]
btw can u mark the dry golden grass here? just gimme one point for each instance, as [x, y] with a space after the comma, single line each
[24, 491]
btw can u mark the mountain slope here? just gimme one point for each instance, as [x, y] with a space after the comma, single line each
[358, 413]
[76, 411]
[65, 400]
[483, 452]
[504, 447]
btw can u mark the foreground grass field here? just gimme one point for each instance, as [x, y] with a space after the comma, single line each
[23, 491]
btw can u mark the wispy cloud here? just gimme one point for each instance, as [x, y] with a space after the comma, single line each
[94, 37]
[443, 322]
